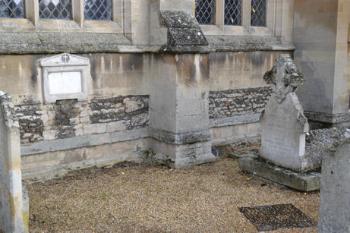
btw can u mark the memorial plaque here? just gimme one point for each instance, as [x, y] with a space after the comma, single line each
[61, 83]
[64, 76]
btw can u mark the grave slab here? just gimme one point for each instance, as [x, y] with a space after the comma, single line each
[304, 182]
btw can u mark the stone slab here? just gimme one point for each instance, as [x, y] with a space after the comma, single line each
[305, 182]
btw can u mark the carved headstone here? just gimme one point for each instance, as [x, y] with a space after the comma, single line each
[283, 123]
[335, 187]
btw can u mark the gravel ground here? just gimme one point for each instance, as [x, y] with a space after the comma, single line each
[134, 198]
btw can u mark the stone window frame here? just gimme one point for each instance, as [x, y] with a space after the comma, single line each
[120, 22]
[219, 27]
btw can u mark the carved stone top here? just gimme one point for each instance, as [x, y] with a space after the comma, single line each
[285, 77]
[183, 29]
[64, 59]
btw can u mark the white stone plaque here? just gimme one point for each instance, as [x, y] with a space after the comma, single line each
[61, 83]
[65, 76]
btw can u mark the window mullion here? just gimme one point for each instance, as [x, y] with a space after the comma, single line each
[246, 12]
[32, 10]
[78, 11]
[118, 11]
[220, 13]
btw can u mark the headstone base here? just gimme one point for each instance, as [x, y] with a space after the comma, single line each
[304, 182]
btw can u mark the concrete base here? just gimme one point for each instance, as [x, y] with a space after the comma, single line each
[305, 182]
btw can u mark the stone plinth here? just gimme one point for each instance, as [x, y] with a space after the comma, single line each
[304, 182]
[179, 116]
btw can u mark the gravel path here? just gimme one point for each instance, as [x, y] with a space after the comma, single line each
[157, 199]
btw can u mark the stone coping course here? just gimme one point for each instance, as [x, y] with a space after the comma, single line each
[83, 42]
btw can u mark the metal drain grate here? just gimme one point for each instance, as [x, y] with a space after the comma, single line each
[273, 217]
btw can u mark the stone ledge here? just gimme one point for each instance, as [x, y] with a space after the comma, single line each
[304, 182]
[83, 42]
[180, 138]
[328, 118]
[59, 42]
[82, 141]
[229, 43]
[235, 120]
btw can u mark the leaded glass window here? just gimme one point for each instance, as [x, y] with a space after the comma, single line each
[233, 12]
[98, 9]
[55, 9]
[11, 9]
[205, 11]
[258, 13]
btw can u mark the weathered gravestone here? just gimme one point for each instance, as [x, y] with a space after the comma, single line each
[14, 207]
[335, 186]
[283, 157]
[283, 123]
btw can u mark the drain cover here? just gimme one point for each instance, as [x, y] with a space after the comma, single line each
[273, 217]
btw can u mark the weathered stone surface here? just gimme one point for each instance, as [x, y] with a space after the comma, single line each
[180, 138]
[283, 123]
[14, 217]
[65, 112]
[229, 103]
[70, 118]
[133, 110]
[320, 142]
[178, 19]
[179, 116]
[328, 118]
[225, 43]
[183, 30]
[60, 42]
[305, 182]
[31, 125]
[335, 189]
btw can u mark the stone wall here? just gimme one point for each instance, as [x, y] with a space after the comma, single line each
[30, 121]
[132, 111]
[70, 134]
[70, 118]
[229, 103]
